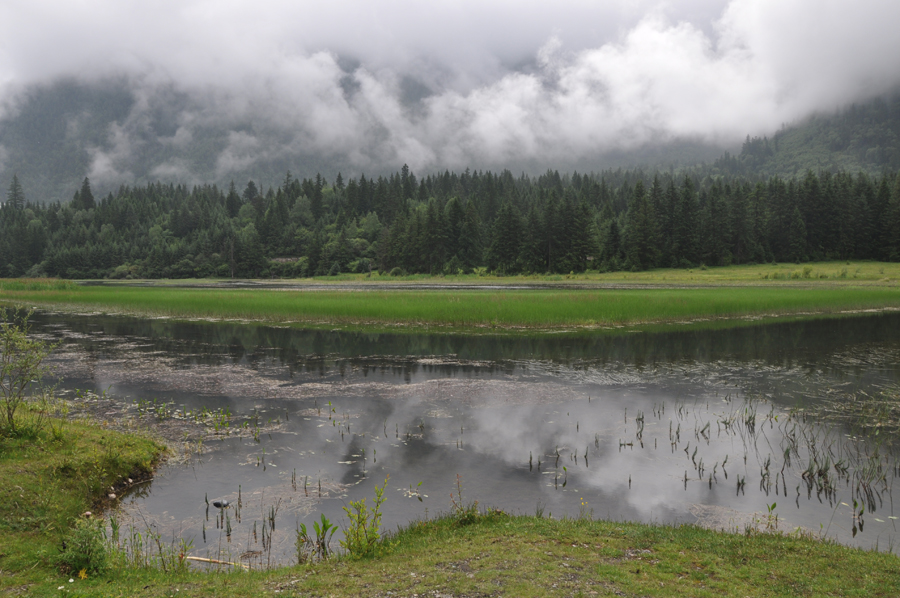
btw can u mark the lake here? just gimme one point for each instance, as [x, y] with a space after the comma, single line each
[719, 428]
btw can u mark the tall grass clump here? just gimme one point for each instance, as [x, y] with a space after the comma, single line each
[84, 551]
[36, 284]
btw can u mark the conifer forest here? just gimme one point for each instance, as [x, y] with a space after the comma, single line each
[451, 223]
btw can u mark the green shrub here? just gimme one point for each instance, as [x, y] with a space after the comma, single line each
[362, 534]
[84, 550]
[21, 364]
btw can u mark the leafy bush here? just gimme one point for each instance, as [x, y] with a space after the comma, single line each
[84, 550]
[21, 364]
[362, 534]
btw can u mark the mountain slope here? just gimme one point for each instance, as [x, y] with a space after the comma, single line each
[864, 137]
[108, 131]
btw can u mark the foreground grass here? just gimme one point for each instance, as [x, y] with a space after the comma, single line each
[466, 310]
[48, 480]
[523, 556]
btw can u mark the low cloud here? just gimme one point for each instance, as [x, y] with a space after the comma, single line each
[447, 84]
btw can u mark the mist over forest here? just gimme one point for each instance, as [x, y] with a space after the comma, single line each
[290, 139]
[203, 94]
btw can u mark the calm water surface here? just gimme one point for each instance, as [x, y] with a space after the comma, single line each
[682, 427]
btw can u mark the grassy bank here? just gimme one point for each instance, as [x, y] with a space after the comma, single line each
[499, 554]
[834, 272]
[50, 477]
[465, 310]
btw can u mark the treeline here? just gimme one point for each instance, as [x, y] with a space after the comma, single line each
[451, 223]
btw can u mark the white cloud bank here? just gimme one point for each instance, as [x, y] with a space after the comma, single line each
[453, 84]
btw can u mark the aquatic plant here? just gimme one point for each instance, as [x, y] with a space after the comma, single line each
[363, 530]
[318, 546]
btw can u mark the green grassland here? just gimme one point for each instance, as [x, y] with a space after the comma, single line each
[835, 273]
[592, 302]
[50, 477]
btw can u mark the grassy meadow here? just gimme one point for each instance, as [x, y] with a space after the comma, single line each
[594, 302]
[861, 272]
[51, 476]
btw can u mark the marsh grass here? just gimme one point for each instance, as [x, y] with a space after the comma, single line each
[37, 284]
[489, 311]
[876, 414]
[834, 272]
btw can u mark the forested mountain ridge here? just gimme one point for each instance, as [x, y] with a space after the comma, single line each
[451, 222]
[864, 137]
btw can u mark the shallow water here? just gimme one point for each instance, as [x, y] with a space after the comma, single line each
[647, 427]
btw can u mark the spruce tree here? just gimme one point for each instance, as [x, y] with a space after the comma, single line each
[15, 197]
[86, 198]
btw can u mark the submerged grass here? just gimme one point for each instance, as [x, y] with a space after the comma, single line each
[875, 414]
[466, 309]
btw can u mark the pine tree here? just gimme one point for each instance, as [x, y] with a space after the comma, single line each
[532, 254]
[503, 254]
[797, 237]
[232, 201]
[470, 244]
[15, 197]
[87, 198]
[641, 232]
[453, 216]
[684, 229]
[84, 199]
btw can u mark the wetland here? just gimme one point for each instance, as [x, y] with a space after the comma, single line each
[728, 429]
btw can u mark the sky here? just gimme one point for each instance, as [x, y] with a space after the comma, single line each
[451, 83]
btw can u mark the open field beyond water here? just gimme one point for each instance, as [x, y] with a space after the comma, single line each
[710, 297]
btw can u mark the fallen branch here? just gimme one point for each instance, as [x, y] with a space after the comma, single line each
[214, 561]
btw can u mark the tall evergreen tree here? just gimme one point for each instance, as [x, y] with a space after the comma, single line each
[684, 231]
[84, 199]
[15, 196]
[471, 248]
[503, 254]
[641, 232]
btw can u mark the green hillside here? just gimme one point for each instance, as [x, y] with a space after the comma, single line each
[864, 137]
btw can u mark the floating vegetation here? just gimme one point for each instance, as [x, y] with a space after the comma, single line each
[864, 413]
[312, 416]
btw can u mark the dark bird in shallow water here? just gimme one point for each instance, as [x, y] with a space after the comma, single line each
[220, 504]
